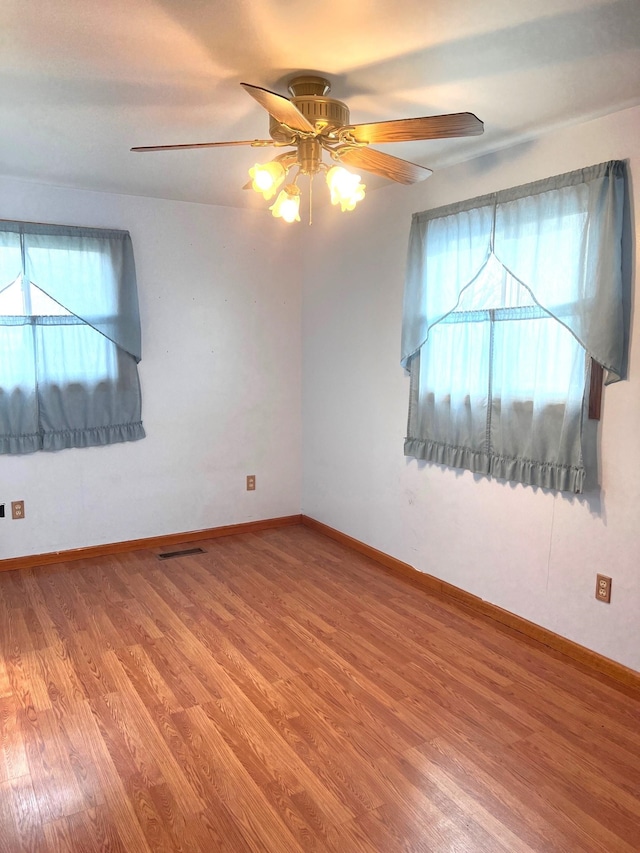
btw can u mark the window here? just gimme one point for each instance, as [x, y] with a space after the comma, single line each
[508, 298]
[69, 338]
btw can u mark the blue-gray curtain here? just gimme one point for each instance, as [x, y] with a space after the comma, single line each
[506, 298]
[69, 338]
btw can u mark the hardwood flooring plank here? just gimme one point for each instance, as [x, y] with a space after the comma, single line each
[203, 598]
[107, 739]
[139, 794]
[146, 679]
[64, 689]
[177, 825]
[163, 584]
[619, 810]
[251, 732]
[197, 581]
[241, 796]
[58, 838]
[74, 743]
[339, 767]
[216, 830]
[363, 692]
[102, 631]
[26, 816]
[528, 657]
[154, 761]
[91, 674]
[318, 695]
[6, 690]
[48, 764]
[9, 839]
[523, 805]
[190, 684]
[96, 826]
[257, 647]
[210, 648]
[13, 756]
[112, 774]
[385, 832]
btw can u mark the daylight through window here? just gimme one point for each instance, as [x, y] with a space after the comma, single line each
[508, 298]
[69, 338]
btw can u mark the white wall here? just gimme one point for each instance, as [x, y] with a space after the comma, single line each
[532, 552]
[220, 304]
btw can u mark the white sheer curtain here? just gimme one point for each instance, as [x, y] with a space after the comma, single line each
[505, 299]
[69, 338]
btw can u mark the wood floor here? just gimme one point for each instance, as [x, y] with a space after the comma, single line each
[282, 693]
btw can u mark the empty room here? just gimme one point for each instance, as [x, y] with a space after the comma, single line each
[319, 426]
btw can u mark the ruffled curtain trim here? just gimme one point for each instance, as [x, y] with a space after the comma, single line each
[548, 475]
[62, 439]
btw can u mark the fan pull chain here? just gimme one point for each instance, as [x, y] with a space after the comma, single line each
[311, 199]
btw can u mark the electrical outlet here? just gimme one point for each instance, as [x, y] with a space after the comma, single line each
[603, 588]
[17, 509]
[251, 482]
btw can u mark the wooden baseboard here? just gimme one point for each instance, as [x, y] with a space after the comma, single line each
[617, 671]
[92, 551]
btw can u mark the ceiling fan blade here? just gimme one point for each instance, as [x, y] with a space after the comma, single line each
[259, 143]
[390, 167]
[428, 127]
[280, 108]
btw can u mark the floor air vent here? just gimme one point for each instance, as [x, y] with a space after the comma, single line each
[186, 552]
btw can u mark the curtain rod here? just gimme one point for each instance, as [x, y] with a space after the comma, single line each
[32, 222]
[62, 225]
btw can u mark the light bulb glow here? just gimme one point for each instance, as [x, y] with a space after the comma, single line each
[345, 188]
[287, 205]
[266, 178]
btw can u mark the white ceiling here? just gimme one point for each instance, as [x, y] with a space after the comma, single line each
[82, 81]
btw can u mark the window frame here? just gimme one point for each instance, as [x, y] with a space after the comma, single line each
[49, 408]
[448, 249]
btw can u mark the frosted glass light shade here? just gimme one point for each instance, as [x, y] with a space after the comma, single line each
[287, 205]
[345, 187]
[266, 178]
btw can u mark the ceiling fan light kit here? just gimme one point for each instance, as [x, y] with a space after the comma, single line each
[312, 124]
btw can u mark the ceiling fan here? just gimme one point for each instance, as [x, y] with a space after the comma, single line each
[311, 124]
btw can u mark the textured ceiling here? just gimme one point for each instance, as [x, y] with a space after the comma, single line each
[83, 81]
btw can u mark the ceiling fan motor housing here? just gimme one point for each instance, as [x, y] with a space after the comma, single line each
[326, 114]
[313, 123]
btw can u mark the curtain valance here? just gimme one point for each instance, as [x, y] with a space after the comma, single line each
[88, 271]
[561, 238]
